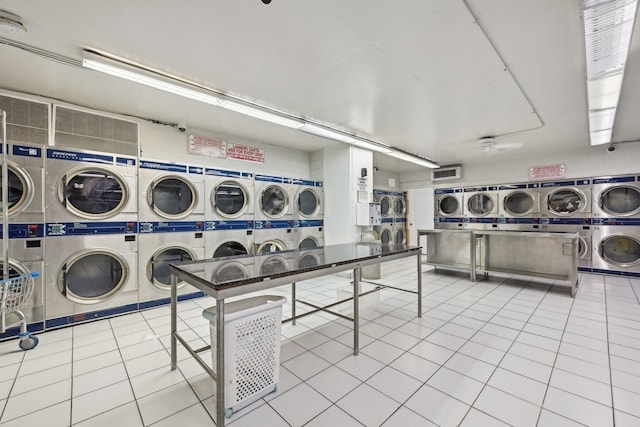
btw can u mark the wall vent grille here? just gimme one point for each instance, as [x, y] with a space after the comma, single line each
[446, 173]
[27, 121]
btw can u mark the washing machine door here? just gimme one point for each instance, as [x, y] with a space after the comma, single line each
[308, 243]
[172, 197]
[519, 203]
[308, 203]
[620, 250]
[448, 205]
[566, 202]
[93, 192]
[621, 200]
[19, 189]
[229, 199]
[386, 237]
[400, 237]
[385, 206]
[230, 272]
[158, 271]
[308, 261]
[230, 249]
[93, 276]
[274, 265]
[480, 204]
[270, 246]
[274, 201]
[399, 207]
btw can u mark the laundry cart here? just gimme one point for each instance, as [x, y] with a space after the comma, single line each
[15, 293]
[251, 348]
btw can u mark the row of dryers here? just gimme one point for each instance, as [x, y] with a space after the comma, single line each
[392, 203]
[604, 211]
[111, 224]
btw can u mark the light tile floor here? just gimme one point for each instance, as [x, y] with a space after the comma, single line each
[493, 353]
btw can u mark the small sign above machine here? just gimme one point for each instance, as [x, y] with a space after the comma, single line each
[546, 172]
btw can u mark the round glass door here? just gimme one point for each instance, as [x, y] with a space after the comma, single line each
[448, 205]
[399, 207]
[274, 265]
[93, 276]
[93, 193]
[19, 189]
[565, 202]
[229, 199]
[385, 206]
[518, 203]
[230, 272]
[271, 246]
[623, 251]
[158, 271]
[172, 197]
[386, 237]
[621, 201]
[308, 261]
[230, 249]
[308, 243]
[274, 201]
[582, 247]
[480, 204]
[308, 203]
[400, 236]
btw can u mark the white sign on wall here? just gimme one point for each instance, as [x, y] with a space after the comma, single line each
[206, 146]
[546, 172]
[245, 152]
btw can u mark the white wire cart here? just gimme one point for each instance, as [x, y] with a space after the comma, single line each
[15, 292]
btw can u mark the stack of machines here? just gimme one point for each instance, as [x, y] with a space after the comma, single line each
[603, 211]
[393, 210]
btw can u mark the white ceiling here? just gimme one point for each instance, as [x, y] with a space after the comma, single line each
[427, 76]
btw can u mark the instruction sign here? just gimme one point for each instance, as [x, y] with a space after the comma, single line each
[245, 152]
[207, 146]
[546, 172]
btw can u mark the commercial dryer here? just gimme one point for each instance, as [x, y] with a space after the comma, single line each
[230, 195]
[448, 206]
[25, 180]
[274, 196]
[480, 208]
[386, 201]
[616, 246]
[228, 238]
[274, 236]
[616, 197]
[566, 199]
[309, 200]
[311, 235]
[519, 207]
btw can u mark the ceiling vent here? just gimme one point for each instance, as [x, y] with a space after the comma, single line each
[446, 173]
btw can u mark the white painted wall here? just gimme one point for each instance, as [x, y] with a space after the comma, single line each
[166, 143]
[383, 179]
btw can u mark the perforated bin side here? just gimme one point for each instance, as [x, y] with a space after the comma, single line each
[252, 348]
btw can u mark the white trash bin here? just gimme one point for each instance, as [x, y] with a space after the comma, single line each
[252, 348]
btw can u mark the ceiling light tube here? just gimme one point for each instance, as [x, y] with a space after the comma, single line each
[177, 86]
[413, 159]
[327, 132]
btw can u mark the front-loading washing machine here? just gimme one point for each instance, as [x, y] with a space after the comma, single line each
[311, 235]
[616, 197]
[399, 204]
[88, 186]
[274, 198]
[162, 244]
[566, 199]
[274, 236]
[228, 238]
[400, 231]
[171, 191]
[309, 200]
[616, 246]
[25, 179]
[480, 208]
[230, 195]
[385, 231]
[519, 207]
[386, 201]
[448, 206]
[26, 255]
[91, 271]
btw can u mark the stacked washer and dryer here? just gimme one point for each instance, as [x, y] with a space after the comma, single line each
[27, 136]
[171, 226]
[480, 208]
[309, 213]
[616, 225]
[385, 230]
[274, 214]
[399, 218]
[448, 207]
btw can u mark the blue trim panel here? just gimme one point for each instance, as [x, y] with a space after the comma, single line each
[447, 219]
[89, 228]
[613, 180]
[75, 156]
[170, 226]
[166, 301]
[13, 332]
[448, 191]
[126, 161]
[26, 151]
[308, 223]
[399, 220]
[518, 220]
[566, 183]
[24, 231]
[270, 178]
[272, 224]
[228, 173]
[387, 220]
[481, 220]
[167, 167]
[566, 221]
[616, 221]
[615, 272]
[228, 225]
[92, 315]
[584, 269]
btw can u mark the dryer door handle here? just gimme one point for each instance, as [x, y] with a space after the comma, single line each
[64, 280]
[62, 192]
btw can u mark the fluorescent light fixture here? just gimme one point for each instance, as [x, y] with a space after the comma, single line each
[608, 25]
[176, 86]
[158, 80]
[413, 159]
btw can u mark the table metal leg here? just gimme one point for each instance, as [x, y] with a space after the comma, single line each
[174, 322]
[220, 338]
[356, 310]
[419, 256]
[293, 303]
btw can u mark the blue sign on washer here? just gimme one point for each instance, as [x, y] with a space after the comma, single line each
[170, 226]
[74, 156]
[89, 228]
[612, 180]
[269, 178]
[24, 231]
[229, 225]
[26, 151]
